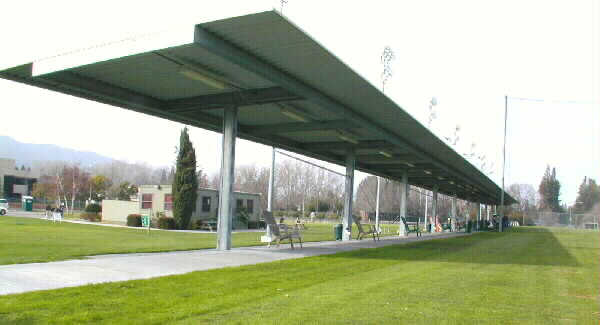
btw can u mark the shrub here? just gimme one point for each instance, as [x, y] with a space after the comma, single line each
[166, 223]
[93, 208]
[320, 215]
[196, 225]
[257, 224]
[134, 220]
[90, 216]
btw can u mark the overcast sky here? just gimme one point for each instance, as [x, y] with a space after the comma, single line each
[468, 54]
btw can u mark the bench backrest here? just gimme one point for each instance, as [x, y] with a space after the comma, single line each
[270, 221]
[360, 228]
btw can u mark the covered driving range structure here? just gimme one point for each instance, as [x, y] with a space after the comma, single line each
[261, 78]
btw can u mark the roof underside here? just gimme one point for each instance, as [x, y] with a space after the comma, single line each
[291, 93]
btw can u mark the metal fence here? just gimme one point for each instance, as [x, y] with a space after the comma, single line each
[40, 204]
[555, 219]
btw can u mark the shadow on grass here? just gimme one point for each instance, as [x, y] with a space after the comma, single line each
[539, 247]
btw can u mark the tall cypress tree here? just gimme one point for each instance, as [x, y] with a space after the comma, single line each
[185, 182]
[550, 191]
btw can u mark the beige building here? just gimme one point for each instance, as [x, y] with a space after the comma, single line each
[153, 199]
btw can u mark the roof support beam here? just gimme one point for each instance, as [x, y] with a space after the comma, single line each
[300, 127]
[339, 145]
[237, 98]
[214, 44]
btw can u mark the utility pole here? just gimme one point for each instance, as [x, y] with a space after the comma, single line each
[503, 164]
[386, 59]
[283, 3]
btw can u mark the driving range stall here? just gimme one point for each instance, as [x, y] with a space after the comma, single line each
[261, 78]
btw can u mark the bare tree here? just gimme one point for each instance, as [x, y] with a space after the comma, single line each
[386, 60]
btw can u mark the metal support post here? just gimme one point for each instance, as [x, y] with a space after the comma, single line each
[226, 199]
[453, 210]
[347, 217]
[271, 183]
[478, 215]
[434, 208]
[377, 205]
[403, 196]
[425, 220]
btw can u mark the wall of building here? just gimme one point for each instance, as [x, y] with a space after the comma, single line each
[209, 212]
[117, 211]
[22, 177]
[158, 199]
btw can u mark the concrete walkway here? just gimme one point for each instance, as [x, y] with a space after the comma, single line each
[20, 278]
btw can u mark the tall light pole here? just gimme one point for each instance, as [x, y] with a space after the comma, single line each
[432, 103]
[386, 59]
[503, 164]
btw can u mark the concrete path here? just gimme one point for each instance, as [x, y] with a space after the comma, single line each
[20, 278]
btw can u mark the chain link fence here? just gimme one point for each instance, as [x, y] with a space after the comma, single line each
[555, 219]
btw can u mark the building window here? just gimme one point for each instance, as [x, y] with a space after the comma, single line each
[206, 204]
[168, 202]
[146, 201]
[239, 204]
[250, 206]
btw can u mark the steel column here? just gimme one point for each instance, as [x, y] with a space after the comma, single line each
[403, 194]
[377, 206]
[227, 178]
[434, 207]
[271, 182]
[347, 217]
[426, 220]
[453, 210]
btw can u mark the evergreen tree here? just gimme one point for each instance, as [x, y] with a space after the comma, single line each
[588, 196]
[163, 176]
[549, 190]
[185, 182]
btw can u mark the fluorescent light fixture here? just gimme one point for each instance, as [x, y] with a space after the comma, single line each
[427, 172]
[440, 178]
[203, 76]
[409, 164]
[385, 154]
[294, 114]
[347, 137]
[451, 182]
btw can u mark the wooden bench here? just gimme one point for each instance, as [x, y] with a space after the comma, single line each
[411, 225]
[362, 232]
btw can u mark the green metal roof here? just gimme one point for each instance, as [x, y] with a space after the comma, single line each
[292, 93]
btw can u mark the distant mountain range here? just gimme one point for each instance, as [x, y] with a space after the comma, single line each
[27, 153]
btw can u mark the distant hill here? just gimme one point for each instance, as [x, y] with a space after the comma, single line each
[27, 153]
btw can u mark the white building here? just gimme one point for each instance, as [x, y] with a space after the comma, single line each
[153, 199]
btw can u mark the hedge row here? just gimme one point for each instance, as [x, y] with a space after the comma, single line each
[134, 220]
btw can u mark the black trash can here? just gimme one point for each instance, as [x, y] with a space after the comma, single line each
[337, 231]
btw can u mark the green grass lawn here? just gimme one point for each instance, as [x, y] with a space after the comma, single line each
[26, 240]
[531, 276]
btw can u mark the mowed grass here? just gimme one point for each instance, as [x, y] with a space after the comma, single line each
[528, 276]
[26, 240]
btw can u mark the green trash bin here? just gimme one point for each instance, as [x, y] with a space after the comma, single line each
[469, 226]
[337, 231]
[146, 221]
[28, 205]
